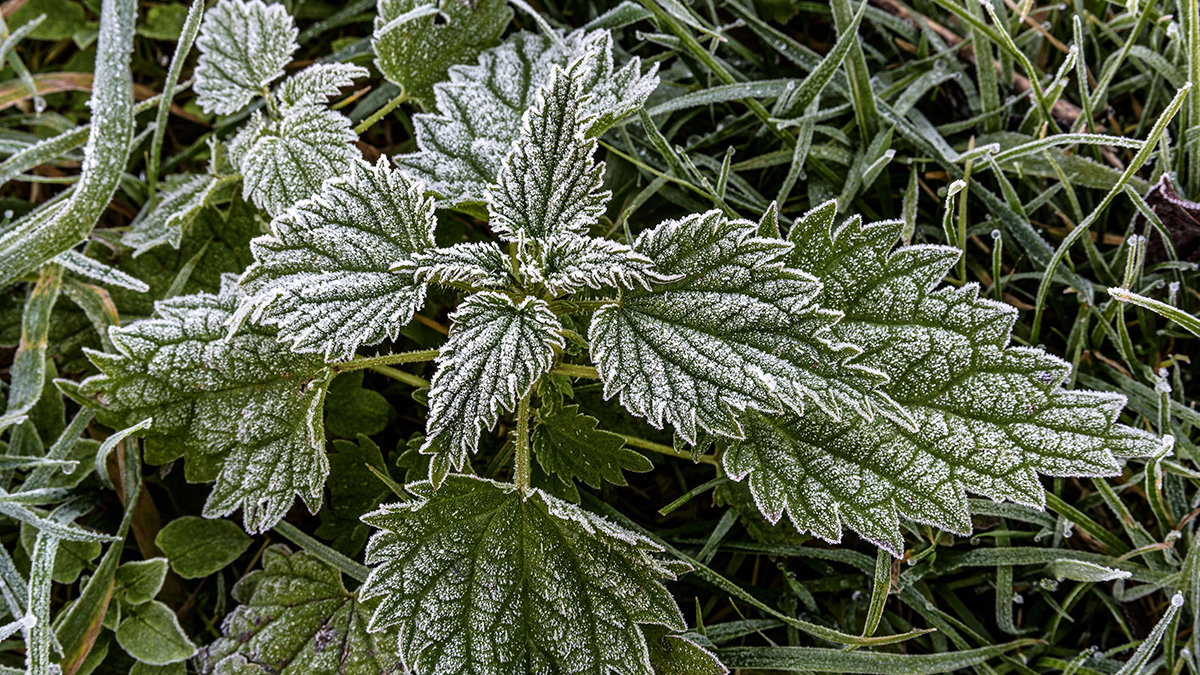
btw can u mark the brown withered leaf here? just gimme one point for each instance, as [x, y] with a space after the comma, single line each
[1180, 216]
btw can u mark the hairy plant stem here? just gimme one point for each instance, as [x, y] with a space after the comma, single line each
[349, 567]
[668, 450]
[573, 370]
[381, 113]
[401, 376]
[521, 466]
[385, 360]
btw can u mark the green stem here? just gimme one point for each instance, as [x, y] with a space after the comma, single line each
[381, 113]
[401, 376]
[350, 568]
[521, 472]
[385, 360]
[573, 370]
[668, 450]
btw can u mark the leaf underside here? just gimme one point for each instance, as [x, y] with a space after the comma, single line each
[988, 417]
[483, 580]
[244, 411]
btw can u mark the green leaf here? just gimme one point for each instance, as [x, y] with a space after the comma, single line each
[416, 41]
[57, 226]
[318, 83]
[182, 199]
[140, 580]
[151, 634]
[163, 22]
[353, 490]
[738, 330]
[481, 578]
[243, 49]
[322, 275]
[549, 185]
[351, 410]
[496, 351]
[677, 655]
[63, 18]
[989, 417]
[297, 618]
[177, 668]
[460, 149]
[198, 547]
[284, 161]
[568, 444]
[243, 410]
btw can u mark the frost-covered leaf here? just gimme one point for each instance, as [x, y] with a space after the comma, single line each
[567, 443]
[737, 330]
[197, 547]
[414, 46]
[318, 83]
[484, 580]
[353, 490]
[549, 185]
[672, 654]
[245, 411]
[479, 264]
[285, 161]
[569, 262]
[322, 275]
[461, 148]
[243, 49]
[495, 353]
[151, 634]
[163, 221]
[989, 417]
[297, 618]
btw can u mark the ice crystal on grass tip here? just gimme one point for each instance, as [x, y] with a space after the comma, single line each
[988, 417]
[481, 107]
[243, 49]
[738, 329]
[245, 411]
[323, 275]
[484, 580]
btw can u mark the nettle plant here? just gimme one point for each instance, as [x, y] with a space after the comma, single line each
[822, 366]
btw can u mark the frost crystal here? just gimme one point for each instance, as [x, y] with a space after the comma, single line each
[989, 417]
[245, 411]
[495, 353]
[318, 83]
[737, 330]
[549, 186]
[297, 618]
[482, 106]
[483, 580]
[243, 49]
[285, 161]
[323, 274]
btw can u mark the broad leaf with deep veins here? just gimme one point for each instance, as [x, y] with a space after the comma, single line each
[243, 49]
[480, 108]
[737, 330]
[989, 417]
[245, 410]
[484, 580]
[414, 46]
[297, 618]
[496, 352]
[323, 274]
